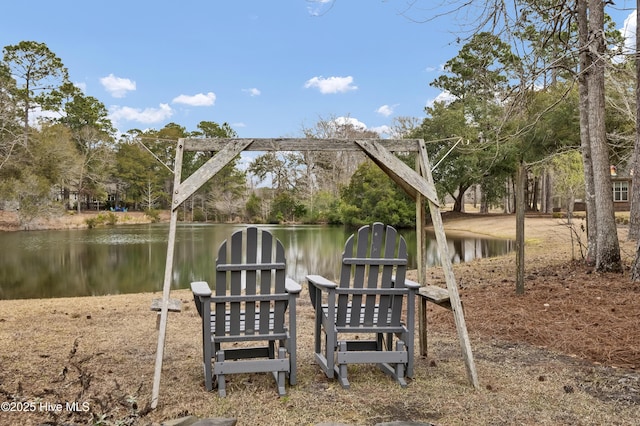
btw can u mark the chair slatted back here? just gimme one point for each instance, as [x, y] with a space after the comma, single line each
[371, 259]
[250, 291]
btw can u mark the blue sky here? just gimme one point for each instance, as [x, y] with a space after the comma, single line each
[268, 68]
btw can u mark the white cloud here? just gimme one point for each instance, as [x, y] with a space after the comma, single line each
[252, 91]
[629, 33]
[383, 131]
[196, 100]
[246, 158]
[331, 85]
[38, 114]
[444, 96]
[118, 87]
[439, 68]
[81, 86]
[146, 116]
[318, 7]
[385, 110]
[355, 123]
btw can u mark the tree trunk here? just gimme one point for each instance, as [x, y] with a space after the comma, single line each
[635, 268]
[544, 178]
[521, 180]
[507, 197]
[458, 205]
[570, 205]
[634, 215]
[484, 203]
[547, 196]
[608, 251]
[590, 205]
[535, 194]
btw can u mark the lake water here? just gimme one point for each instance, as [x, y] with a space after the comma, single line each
[131, 258]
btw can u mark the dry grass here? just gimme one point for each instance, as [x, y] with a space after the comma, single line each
[70, 220]
[569, 363]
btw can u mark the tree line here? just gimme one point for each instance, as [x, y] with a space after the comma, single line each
[60, 151]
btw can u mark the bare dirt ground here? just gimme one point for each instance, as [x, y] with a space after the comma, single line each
[567, 352]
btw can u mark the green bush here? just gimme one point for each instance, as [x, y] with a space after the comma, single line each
[111, 218]
[153, 215]
[198, 215]
[371, 196]
[91, 222]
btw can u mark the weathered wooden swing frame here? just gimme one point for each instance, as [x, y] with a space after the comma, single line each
[417, 183]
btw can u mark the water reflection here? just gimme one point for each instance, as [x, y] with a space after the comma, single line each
[128, 259]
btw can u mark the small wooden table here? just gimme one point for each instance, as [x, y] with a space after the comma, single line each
[175, 305]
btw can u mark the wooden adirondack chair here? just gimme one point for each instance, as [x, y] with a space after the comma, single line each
[368, 301]
[248, 304]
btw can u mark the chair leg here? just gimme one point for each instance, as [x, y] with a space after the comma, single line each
[208, 381]
[282, 354]
[341, 369]
[293, 361]
[410, 363]
[400, 366]
[222, 392]
[291, 342]
[330, 351]
[206, 365]
[317, 328]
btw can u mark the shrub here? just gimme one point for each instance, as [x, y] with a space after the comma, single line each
[91, 222]
[111, 218]
[153, 215]
[198, 215]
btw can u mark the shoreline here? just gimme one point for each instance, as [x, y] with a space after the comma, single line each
[71, 220]
[471, 222]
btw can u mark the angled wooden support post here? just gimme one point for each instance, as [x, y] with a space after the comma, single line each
[421, 256]
[166, 289]
[447, 267]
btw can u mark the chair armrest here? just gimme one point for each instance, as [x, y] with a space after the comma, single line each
[292, 287]
[412, 285]
[200, 289]
[322, 282]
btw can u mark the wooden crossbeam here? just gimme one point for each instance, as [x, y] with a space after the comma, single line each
[300, 144]
[402, 174]
[209, 169]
